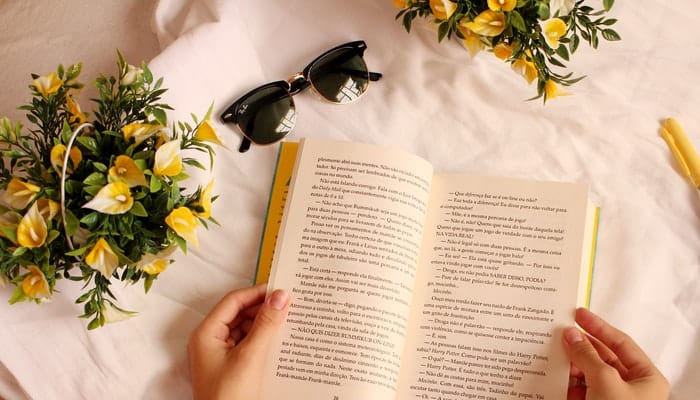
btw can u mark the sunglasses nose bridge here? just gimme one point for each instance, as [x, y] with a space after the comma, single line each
[297, 83]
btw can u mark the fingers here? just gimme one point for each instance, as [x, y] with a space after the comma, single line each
[216, 324]
[268, 321]
[585, 357]
[629, 353]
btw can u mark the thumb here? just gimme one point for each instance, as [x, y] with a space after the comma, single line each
[586, 358]
[269, 320]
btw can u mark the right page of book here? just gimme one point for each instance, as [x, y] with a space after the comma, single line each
[497, 283]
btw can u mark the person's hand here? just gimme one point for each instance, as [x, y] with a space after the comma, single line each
[608, 365]
[227, 351]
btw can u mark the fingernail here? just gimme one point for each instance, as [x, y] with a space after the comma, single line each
[573, 335]
[278, 299]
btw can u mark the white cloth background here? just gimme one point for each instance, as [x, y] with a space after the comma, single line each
[462, 114]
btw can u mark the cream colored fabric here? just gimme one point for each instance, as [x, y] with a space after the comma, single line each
[462, 114]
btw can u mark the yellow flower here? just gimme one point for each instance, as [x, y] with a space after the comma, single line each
[140, 132]
[125, 169]
[47, 84]
[58, 154]
[167, 161]
[48, 208]
[472, 41]
[502, 5]
[488, 23]
[183, 222]
[525, 68]
[205, 132]
[32, 230]
[19, 194]
[113, 198]
[112, 313]
[8, 225]
[551, 90]
[442, 9]
[153, 264]
[553, 29]
[102, 258]
[77, 117]
[35, 284]
[503, 51]
[132, 75]
[400, 3]
[205, 201]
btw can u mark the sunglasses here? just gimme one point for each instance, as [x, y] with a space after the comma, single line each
[267, 114]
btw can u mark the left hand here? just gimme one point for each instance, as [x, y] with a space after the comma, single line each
[227, 351]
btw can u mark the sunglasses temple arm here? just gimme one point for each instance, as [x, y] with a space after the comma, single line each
[375, 76]
[245, 145]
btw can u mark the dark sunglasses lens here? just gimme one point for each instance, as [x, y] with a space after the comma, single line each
[341, 76]
[269, 115]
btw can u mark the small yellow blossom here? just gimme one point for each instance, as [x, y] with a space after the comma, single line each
[35, 284]
[184, 223]
[112, 313]
[19, 194]
[205, 201]
[153, 264]
[525, 68]
[140, 132]
[132, 75]
[48, 208]
[167, 161]
[553, 29]
[125, 169]
[472, 41]
[113, 198]
[47, 84]
[442, 9]
[552, 90]
[488, 23]
[32, 229]
[58, 154]
[502, 5]
[77, 117]
[400, 3]
[503, 51]
[205, 132]
[102, 258]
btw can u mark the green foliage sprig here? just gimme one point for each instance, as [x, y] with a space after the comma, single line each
[532, 35]
[98, 199]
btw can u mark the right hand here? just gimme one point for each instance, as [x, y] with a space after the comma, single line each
[609, 363]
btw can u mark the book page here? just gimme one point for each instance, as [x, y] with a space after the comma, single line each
[497, 284]
[347, 252]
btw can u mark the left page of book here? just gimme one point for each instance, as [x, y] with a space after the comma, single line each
[347, 253]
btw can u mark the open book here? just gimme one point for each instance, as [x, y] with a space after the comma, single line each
[411, 284]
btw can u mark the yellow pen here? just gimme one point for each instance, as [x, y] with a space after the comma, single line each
[682, 149]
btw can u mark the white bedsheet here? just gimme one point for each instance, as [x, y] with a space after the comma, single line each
[460, 113]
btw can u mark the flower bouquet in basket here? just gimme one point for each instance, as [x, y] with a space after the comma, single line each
[531, 35]
[97, 201]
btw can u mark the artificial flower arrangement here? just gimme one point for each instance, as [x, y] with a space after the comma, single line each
[97, 201]
[531, 35]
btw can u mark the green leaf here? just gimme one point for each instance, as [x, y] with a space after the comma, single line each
[92, 190]
[160, 116]
[95, 179]
[607, 4]
[443, 29]
[19, 251]
[99, 166]
[77, 252]
[517, 20]
[72, 222]
[155, 184]
[95, 323]
[90, 219]
[543, 11]
[611, 35]
[17, 296]
[88, 143]
[52, 236]
[10, 232]
[563, 52]
[138, 210]
[194, 163]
